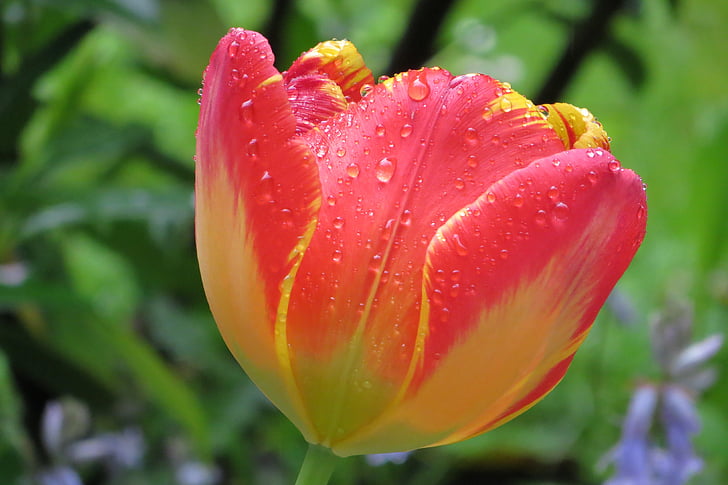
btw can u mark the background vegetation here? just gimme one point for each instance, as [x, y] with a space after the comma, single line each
[111, 368]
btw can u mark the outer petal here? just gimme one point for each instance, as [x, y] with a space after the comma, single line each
[257, 194]
[513, 283]
[394, 168]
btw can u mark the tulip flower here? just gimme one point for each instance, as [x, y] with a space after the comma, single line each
[406, 263]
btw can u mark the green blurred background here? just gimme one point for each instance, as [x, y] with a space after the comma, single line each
[104, 329]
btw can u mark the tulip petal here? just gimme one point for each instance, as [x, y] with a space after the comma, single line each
[339, 61]
[513, 283]
[323, 80]
[576, 127]
[252, 175]
[394, 167]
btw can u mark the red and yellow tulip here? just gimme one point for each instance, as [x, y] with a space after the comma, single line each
[402, 264]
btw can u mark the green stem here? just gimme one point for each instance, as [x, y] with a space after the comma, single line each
[317, 466]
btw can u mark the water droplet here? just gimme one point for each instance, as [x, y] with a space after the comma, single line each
[614, 165]
[418, 88]
[518, 200]
[471, 136]
[246, 112]
[380, 130]
[459, 183]
[322, 150]
[641, 212]
[472, 161]
[337, 256]
[487, 113]
[406, 130]
[233, 49]
[341, 152]
[460, 248]
[385, 168]
[490, 197]
[352, 170]
[561, 211]
[338, 222]
[331, 200]
[503, 254]
[506, 104]
[366, 384]
[406, 218]
[540, 217]
[365, 89]
[264, 190]
[253, 148]
[592, 177]
[552, 192]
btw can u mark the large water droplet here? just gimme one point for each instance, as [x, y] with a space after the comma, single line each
[506, 104]
[460, 247]
[406, 130]
[418, 88]
[471, 136]
[264, 190]
[253, 147]
[352, 170]
[385, 168]
[406, 218]
[341, 152]
[246, 112]
[561, 211]
[233, 49]
[552, 193]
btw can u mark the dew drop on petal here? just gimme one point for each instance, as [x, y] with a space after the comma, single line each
[385, 168]
[418, 88]
[460, 248]
[506, 104]
[352, 170]
[233, 49]
[338, 222]
[246, 112]
[518, 200]
[490, 197]
[614, 165]
[331, 200]
[365, 89]
[406, 130]
[641, 212]
[471, 136]
[487, 113]
[552, 193]
[253, 148]
[472, 161]
[380, 130]
[459, 183]
[561, 211]
[592, 177]
[337, 256]
[406, 218]
[503, 254]
[341, 152]
[264, 190]
[540, 217]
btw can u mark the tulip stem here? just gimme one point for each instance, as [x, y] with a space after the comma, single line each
[317, 466]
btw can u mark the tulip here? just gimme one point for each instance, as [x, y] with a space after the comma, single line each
[406, 263]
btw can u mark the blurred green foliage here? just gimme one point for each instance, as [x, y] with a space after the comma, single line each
[100, 297]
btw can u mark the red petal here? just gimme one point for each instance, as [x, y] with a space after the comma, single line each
[395, 167]
[257, 193]
[513, 283]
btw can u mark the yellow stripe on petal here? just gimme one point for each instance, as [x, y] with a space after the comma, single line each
[576, 127]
